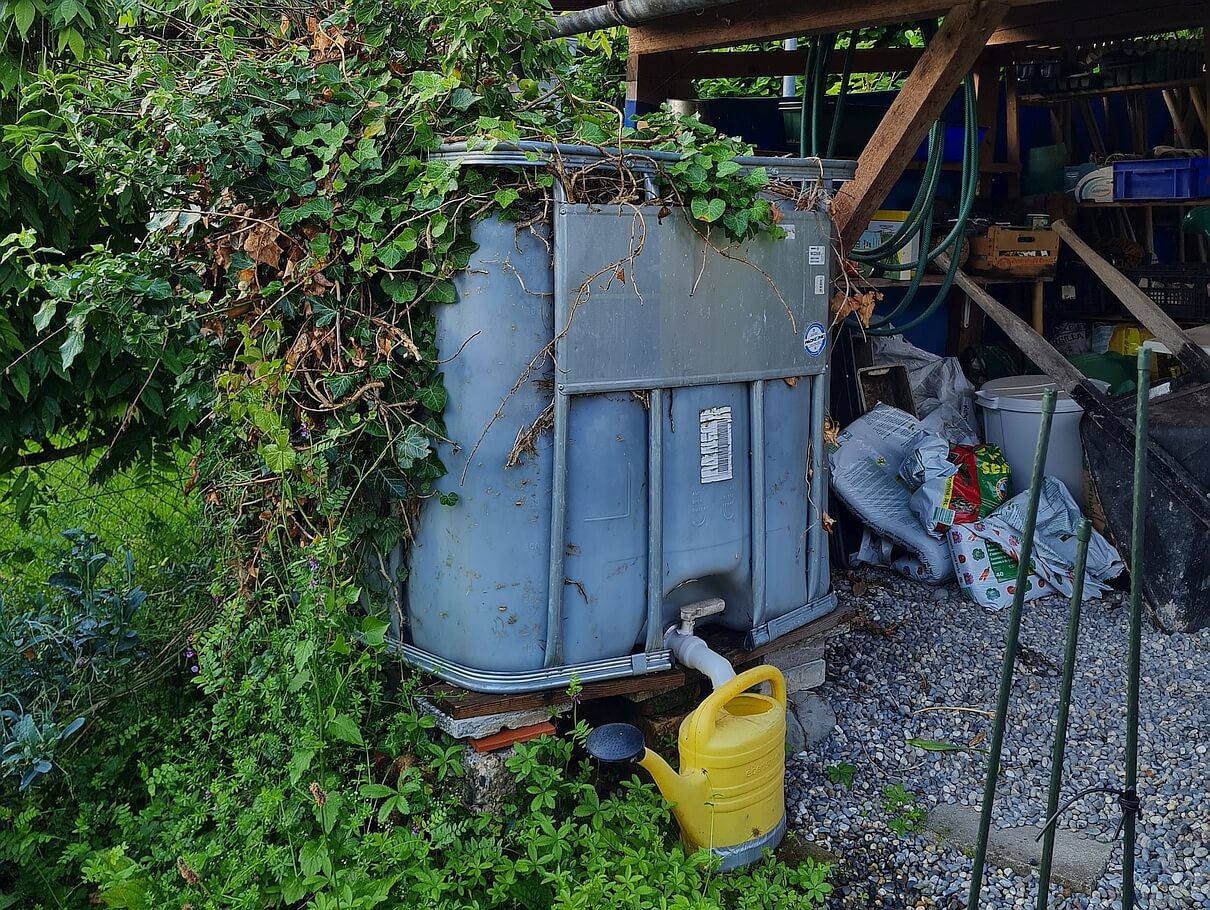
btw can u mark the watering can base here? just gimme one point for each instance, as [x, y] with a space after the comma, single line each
[750, 851]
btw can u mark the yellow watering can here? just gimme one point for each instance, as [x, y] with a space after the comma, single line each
[730, 793]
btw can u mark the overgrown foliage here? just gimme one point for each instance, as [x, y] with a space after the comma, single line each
[294, 239]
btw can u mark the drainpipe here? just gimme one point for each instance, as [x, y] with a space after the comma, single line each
[625, 12]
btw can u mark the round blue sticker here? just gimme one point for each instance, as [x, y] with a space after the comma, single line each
[814, 339]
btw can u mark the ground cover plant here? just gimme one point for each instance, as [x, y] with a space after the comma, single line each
[254, 286]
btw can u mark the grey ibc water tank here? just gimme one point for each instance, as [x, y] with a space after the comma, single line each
[625, 395]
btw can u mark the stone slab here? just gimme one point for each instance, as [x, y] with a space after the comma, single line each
[479, 727]
[1079, 861]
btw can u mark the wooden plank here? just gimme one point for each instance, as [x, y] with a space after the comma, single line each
[1142, 307]
[1068, 21]
[1012, 128]
[461, 703]
[942, 67]
[654, 78]
[749, 21]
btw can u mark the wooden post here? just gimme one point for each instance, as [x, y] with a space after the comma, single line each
[651, 79]
[1012, 126]
[942, 67]
[1038, 299]
[987, 95]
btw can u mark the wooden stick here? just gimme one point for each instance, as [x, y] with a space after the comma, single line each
[1178, 126]
[1198, 105]
[1142, 307]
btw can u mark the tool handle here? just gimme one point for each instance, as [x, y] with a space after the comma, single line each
[705, 717]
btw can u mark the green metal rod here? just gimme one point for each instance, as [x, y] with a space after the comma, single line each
[1083, 535]
[1138, 528]
[1010, 649]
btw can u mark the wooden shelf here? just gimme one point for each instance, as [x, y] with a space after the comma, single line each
[1146, 204]
[1057, 97]
[931, 280]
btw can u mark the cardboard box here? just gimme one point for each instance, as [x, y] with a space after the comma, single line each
[881, 228]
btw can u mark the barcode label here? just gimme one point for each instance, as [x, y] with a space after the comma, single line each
[715, 426]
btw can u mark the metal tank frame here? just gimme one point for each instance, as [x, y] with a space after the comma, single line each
[655, 656]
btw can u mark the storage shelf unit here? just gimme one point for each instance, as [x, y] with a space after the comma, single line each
[1058, 97]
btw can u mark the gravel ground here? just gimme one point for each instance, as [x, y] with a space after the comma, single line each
[917, 654]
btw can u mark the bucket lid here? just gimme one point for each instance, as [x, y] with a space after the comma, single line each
[1023, 393]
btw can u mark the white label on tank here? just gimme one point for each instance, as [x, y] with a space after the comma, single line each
[815, 255]
[821, 285]
[715, 426]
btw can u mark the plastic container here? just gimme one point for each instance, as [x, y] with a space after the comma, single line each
[662, 463]
[1012, 415]
[1161, 178]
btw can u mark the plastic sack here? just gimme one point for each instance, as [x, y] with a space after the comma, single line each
[944, 397]
[955, 484]
[1069, 338]
[865, 474]
[986, 552]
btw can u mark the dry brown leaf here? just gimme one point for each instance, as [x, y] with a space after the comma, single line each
[859, 304]
[261, 244]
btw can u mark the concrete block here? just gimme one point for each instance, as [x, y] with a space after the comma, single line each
[487, 783]
[1079, 861]
[805, 677]
[478, 727]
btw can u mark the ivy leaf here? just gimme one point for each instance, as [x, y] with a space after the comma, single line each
[727, 168]
[506, 197]
[462, 98]
[708, 210]
[442, 291]
[410, 447]
[736, 222]
[345, 729]
[434, 397]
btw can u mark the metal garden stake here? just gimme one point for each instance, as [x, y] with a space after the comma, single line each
[1129, 799]
[1083, 535]
[1010, 648]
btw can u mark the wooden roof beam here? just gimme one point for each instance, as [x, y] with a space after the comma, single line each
[949, 56]
[1077, 21]
[748, 21]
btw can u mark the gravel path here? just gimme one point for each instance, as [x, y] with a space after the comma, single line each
[920, 652]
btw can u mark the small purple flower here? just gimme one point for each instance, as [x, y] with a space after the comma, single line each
[303, 432]
[194, 669]
[313, 564]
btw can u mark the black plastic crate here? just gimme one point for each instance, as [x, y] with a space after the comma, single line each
[1179, 290]
[1081, 294]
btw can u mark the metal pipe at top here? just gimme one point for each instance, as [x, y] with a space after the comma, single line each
[625, 12]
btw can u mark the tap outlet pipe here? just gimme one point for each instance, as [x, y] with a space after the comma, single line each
[691, 651]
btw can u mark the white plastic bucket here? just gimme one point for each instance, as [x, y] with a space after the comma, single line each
[1012, 416]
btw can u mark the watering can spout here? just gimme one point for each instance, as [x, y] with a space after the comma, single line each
[686, 791]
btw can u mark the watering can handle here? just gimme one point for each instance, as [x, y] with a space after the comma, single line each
[707, 713]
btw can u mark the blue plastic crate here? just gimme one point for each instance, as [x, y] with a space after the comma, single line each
[1162, 178]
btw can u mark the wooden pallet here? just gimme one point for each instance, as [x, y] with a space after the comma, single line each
[461, 703]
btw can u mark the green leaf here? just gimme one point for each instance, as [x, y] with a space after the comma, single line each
[23, 14]
[727, 168]
[506, 197]
[434, 397]
[278, 458]
[20, 378]
[707, 210]
[45, 314]
[74, 344]
[374, 631]
[377, 791]
[299, 764]
[345, 729]
[443, 291]
[935, 745]
[411, 446]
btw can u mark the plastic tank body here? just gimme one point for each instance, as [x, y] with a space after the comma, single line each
[678, 430]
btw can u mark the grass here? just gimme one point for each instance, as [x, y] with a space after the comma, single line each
[142, 509]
